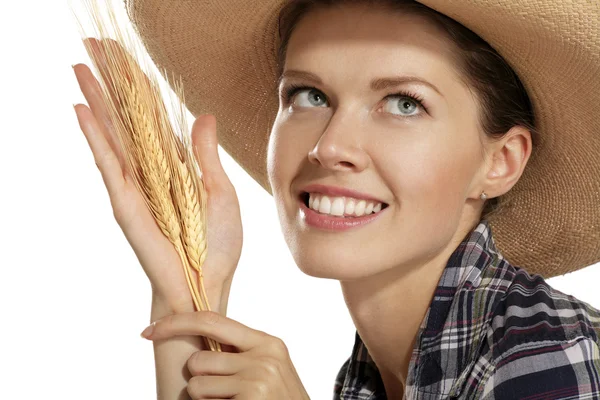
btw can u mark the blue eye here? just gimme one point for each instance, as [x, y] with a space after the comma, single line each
[405, 105]
[313, 97]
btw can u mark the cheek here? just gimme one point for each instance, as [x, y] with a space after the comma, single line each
[431, 176]
[292, 138]
[273, 161]
[278, 173]
[288, 149]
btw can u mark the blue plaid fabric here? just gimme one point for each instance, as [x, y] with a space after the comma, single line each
[492, 331]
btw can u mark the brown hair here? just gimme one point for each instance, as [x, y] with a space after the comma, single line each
[504, 102]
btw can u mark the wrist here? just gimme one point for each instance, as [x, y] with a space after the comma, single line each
[224, 298]
[217, 299]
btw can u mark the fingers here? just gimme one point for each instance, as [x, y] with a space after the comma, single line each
[205, 143]
[209, 324]
[93, 94]
[109, 50]
[105, 52]
[105, 158]
[211, 387]
[207, 362]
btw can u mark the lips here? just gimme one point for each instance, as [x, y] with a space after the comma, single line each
[335, 191]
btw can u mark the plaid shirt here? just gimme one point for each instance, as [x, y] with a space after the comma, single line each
[492, 331]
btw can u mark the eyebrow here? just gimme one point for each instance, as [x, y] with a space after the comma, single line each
[377, 84]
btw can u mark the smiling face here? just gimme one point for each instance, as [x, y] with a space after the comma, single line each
[378, 107]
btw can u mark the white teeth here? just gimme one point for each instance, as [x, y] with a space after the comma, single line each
[337, 208]
[342, 206]
[325, 205]
[350, 207]
[360, 208]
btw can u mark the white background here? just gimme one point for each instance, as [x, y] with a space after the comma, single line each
[73, 298]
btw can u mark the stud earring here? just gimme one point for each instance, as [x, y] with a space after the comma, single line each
[483, 196]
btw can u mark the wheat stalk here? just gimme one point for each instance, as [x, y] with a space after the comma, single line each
[162, 164]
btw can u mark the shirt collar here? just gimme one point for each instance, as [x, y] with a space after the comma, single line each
[462, 273]
[466, 293]
[362, 380]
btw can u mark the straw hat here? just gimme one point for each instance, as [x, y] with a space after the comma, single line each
[225, 52]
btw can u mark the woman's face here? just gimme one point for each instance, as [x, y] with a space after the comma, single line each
[414, 144]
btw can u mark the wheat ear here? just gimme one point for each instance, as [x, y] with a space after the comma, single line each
[191, 204]
[162, 166]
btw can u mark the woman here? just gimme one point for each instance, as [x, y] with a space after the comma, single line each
[390, 126]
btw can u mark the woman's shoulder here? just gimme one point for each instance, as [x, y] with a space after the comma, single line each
[533, 314]
[540, 342]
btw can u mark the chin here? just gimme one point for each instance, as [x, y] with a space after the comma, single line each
[338, 273]
[342, 266]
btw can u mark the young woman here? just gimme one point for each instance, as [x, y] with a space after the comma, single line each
[390, 135]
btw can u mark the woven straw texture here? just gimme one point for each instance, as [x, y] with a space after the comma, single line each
[225, 53]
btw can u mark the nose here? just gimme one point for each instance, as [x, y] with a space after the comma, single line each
[339, 147]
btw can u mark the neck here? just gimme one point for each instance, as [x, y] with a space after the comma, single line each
[388, 309]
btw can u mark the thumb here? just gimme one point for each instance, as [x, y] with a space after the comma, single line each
[205, 145]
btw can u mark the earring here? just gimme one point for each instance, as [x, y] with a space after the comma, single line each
[483, 196]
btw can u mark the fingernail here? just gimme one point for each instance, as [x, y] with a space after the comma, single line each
[148, 331]
[72, 65]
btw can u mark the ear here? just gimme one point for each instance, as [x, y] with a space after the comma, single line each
[505, 161]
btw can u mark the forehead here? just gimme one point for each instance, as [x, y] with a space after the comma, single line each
[373, 38]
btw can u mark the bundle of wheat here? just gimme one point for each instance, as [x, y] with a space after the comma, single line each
[158, 151]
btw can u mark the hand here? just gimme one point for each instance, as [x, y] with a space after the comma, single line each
[260, 369]
[155, 252]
